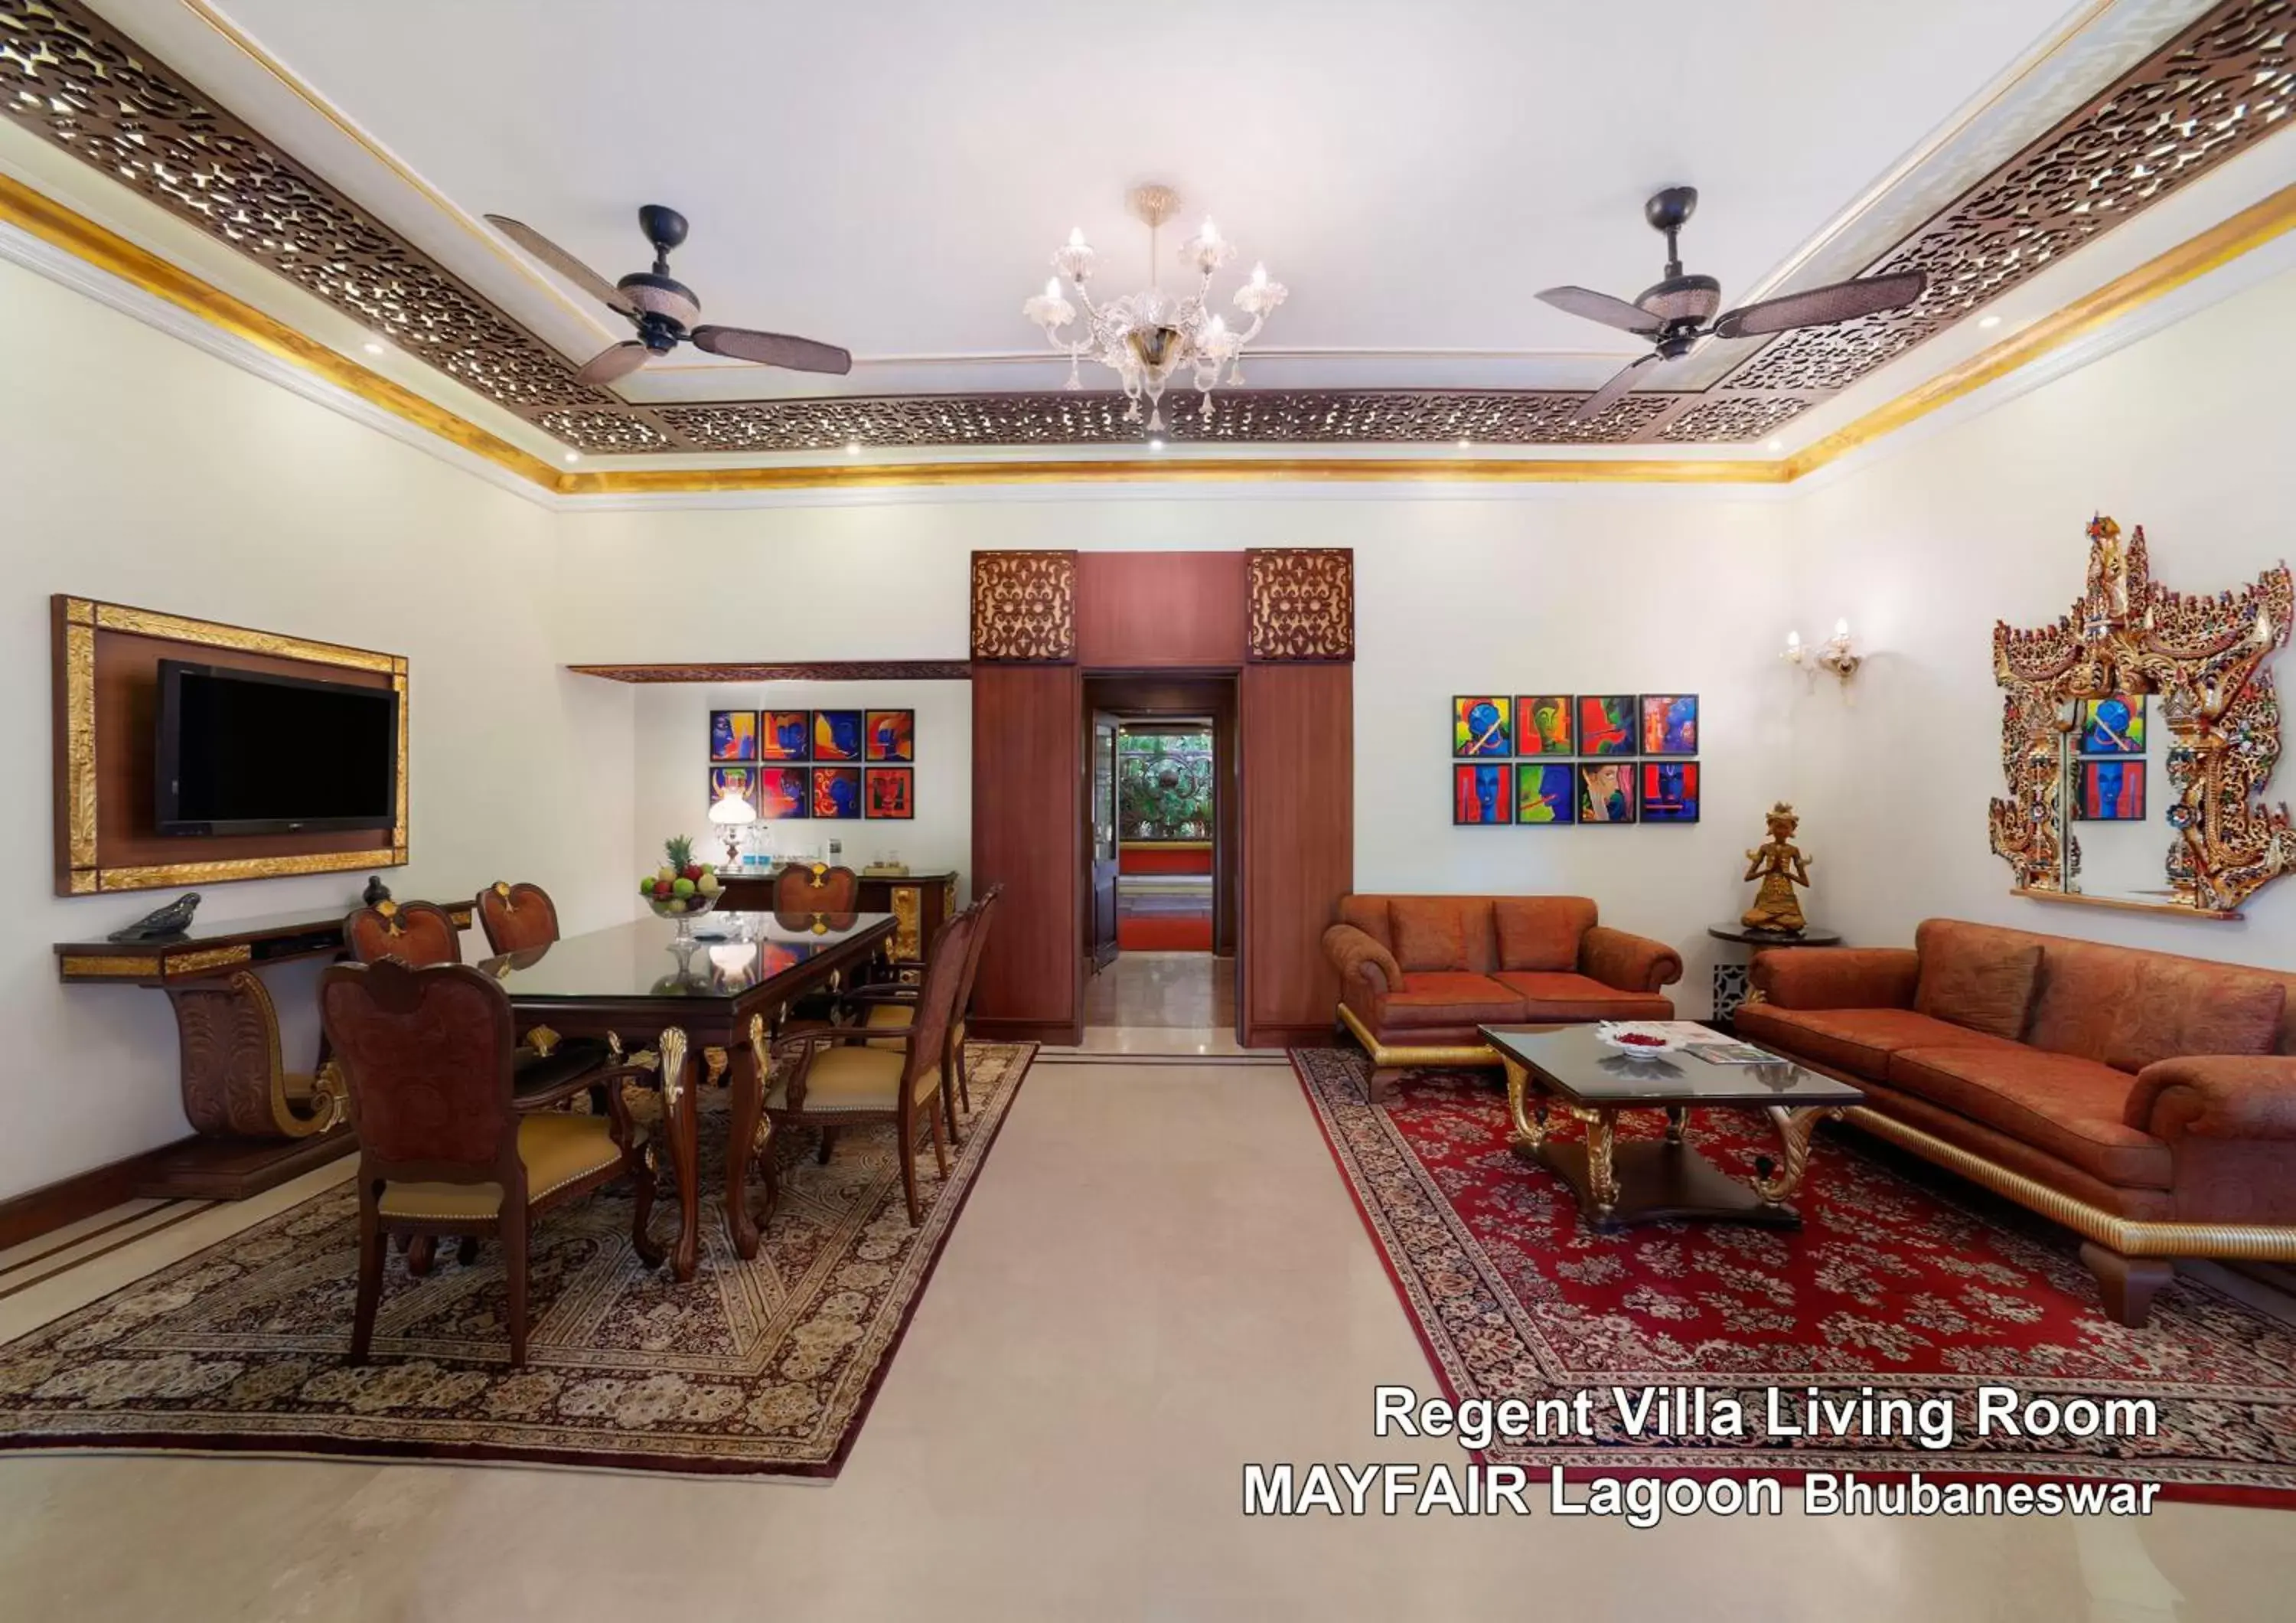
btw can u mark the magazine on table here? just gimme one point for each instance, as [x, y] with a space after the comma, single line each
[1726, 1052]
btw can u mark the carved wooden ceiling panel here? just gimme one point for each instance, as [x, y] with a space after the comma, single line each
[2213, 90]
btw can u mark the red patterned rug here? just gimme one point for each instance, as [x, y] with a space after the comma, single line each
[1901, 1283]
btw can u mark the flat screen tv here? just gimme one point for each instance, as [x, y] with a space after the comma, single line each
[240, 752]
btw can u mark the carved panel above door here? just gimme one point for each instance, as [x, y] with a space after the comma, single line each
[1024, 607]
[1302, 603]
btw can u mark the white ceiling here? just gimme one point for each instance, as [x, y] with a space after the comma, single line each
[892, 177]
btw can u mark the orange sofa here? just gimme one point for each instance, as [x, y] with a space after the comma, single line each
[2146, 1102]
[1418, 973]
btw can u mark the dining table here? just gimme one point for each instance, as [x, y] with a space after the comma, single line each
[693, 998]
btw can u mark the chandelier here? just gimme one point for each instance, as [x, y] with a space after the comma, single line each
[1147, 337]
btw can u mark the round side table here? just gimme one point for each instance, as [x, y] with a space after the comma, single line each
[1733, 983]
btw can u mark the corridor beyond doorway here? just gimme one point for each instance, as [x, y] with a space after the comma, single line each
[1164, 777]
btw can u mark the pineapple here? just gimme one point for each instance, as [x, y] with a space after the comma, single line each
[678, 852]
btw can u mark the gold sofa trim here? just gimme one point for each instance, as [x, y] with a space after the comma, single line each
[2129, 1236]
[1384, 1056]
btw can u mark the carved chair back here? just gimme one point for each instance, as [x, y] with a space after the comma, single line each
[816, 887]
[517, 918]
[937, 1002]
[416, 933]
[984, 909]
[428, 1055]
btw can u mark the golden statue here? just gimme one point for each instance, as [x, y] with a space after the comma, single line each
[1780, 866]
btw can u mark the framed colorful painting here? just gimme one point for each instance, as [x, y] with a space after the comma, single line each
[837, 735]
[1544, 792]
[1542, 722]
[1482, 794]
[891, 735]
[1670, 724]
[837, 791]
[785, 735]
[1479, 725]
[728, 781]
[783, 792]
[889, 792]
[2113, 725]
[2109, 791]
[1669, 792]
[732, 735]
[1606, 723]
[1606, 792]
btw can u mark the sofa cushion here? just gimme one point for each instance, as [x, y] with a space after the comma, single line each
[2182, 1009]
[1448, 997]
[1431, 932]
[1369, 914]
[1975, 977]
[1541, 932]
[2062, 1103]
[1858, 1041]
[2083, 988]
[1548, 995]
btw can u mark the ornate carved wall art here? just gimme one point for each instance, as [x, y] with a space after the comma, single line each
[2210, 92]
[1301, 603]
[816, 670]
[2215, 89]
[1024, 607]
[2206, 659]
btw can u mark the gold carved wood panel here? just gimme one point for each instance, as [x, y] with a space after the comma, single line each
[1024, 607]
[1301, 605]
[2206, 659]
[909, 935]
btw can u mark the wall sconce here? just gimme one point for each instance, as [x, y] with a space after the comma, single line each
[1833, 655]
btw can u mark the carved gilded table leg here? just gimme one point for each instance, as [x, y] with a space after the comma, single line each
[1528, 1115]
[1678, 1118]
[714, 1061]
[682, 1128]
[1602, 1177]
[1773, 1180]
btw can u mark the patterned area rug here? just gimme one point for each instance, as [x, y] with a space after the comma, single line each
[1901, 1280]
[763, 1366]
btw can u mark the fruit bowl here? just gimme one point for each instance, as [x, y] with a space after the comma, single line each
[681, 888]
[682, 907]
[1637, 1041]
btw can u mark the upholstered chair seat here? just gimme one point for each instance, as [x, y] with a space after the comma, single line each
[849, 1078]
[556, 1148]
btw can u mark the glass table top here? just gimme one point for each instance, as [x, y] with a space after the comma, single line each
[644, 958]
[1571, 1061]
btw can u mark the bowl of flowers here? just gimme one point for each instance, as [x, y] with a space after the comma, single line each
[1636, 1041]
[681, 888]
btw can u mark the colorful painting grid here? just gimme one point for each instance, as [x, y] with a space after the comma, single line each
[732, 735]
[2113, 725]
[1481, 724]
[837, 791]
[1482, 793]
[1669, 791]
[785, 735]
[891, 735]
[2109, 791]
[889, 792]
[837, 735]
[1543, 725]
[1546, 793]
[1606, 791]
[1670, 724]
[783, 792]
[1606, 724]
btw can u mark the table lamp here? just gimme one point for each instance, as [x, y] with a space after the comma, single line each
[733, 813]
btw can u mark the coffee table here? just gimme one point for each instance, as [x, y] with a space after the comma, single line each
[1664, 1180]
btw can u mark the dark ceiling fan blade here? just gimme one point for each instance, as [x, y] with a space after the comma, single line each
[616, 360]
[773, 350]
[1601, 307]
[564, 263]
[1820, 307]
[1621, 381]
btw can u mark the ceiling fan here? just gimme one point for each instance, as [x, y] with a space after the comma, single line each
[663, 309]
[1673, 313]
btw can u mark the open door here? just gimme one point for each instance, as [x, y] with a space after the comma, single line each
[1101, 839]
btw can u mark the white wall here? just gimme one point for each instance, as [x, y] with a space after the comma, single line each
[139, 470]
[672, 729]
[2187, 433]
[1538, 589]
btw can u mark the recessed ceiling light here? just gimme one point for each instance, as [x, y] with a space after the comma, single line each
[853, 447]
[573, 456]
[1776, 445]
[1155, 445]
[373, 348]
[1988, 321]
[1465, 443]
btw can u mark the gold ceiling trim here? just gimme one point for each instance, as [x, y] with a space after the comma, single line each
[62, 228]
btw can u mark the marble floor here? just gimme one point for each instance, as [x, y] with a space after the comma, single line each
[1159, 1278]
[1178, 991]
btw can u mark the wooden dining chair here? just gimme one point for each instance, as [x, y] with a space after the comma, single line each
[828, 1081]
[816, 887]
[888, 1008]
[517, 918]
[416, 933]
[442, 1150]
